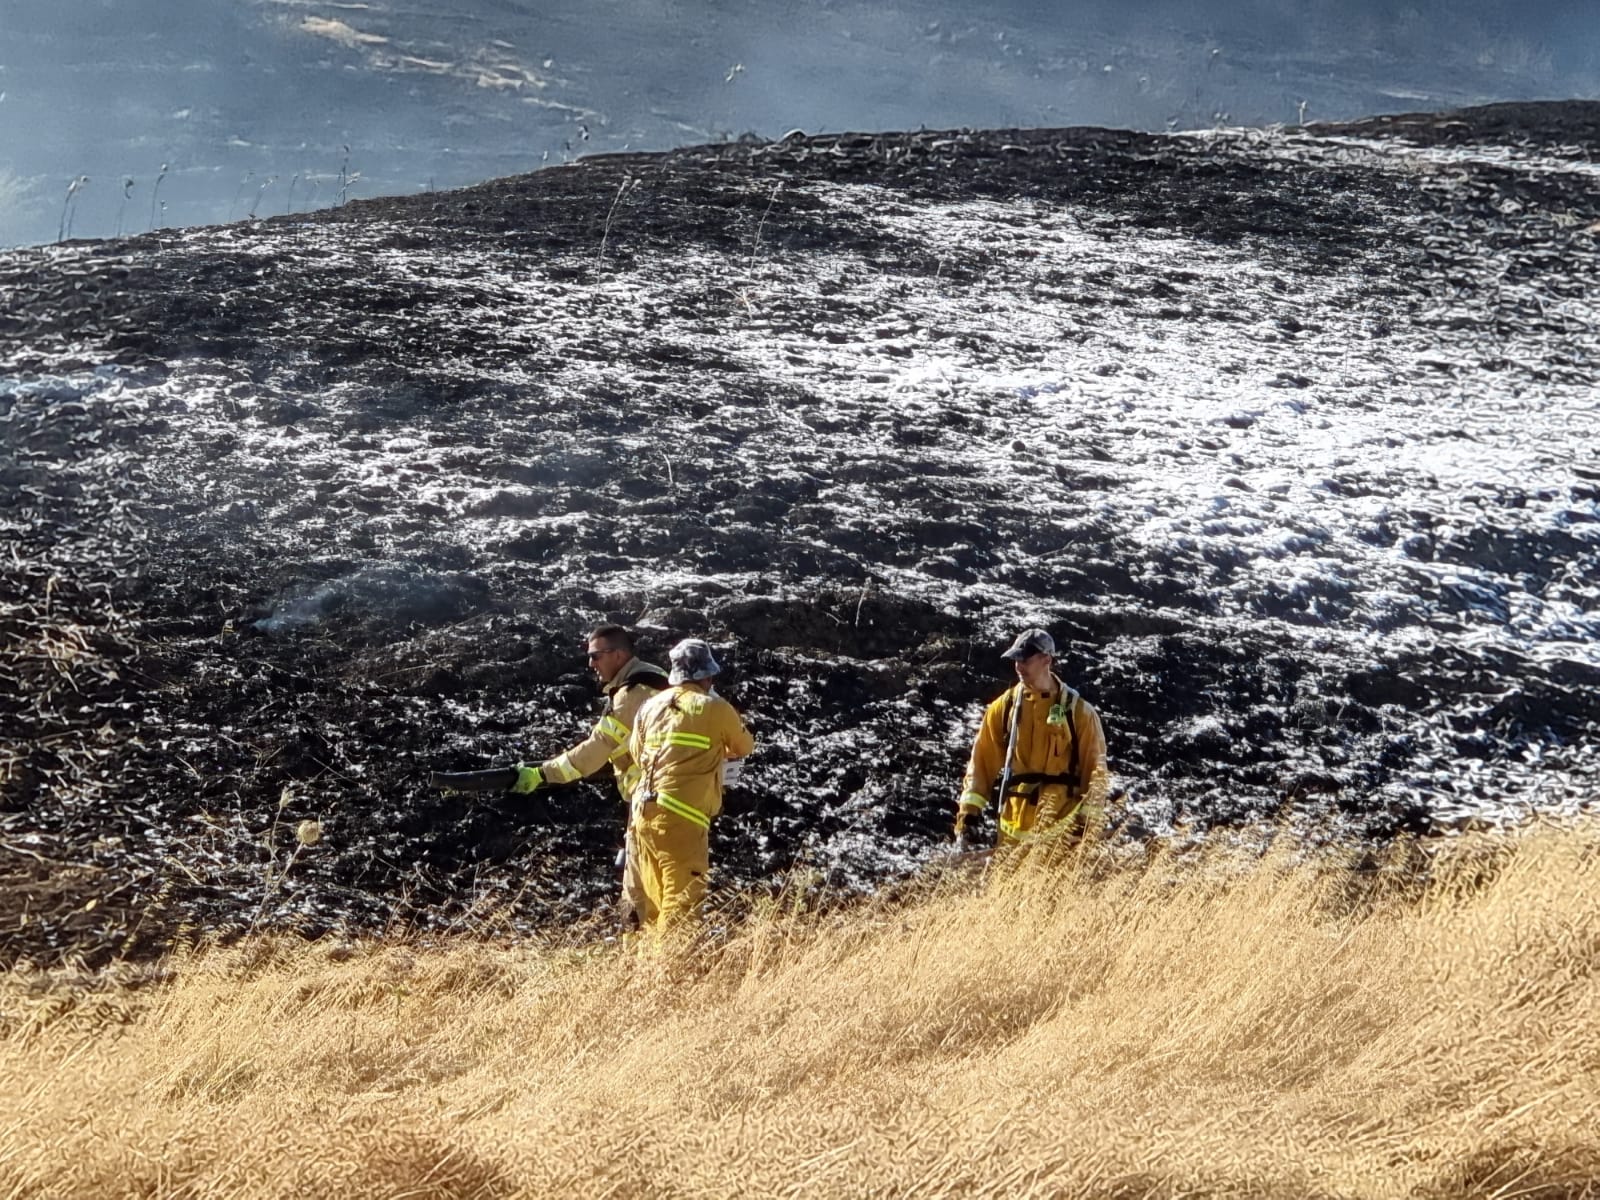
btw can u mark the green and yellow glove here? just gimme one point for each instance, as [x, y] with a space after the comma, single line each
[529, 779]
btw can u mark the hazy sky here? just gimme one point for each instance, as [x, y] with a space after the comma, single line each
[270, 105]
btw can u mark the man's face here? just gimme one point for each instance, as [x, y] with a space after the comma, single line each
[1035, 671]
[605, 660]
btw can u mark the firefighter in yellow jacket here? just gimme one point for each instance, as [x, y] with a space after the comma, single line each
[684, 740]
[1041, 747]
[628, 681]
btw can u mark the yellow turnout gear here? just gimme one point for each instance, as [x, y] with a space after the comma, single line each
[681, 738]
[1060, 748]
[674, 858]
[608, 740]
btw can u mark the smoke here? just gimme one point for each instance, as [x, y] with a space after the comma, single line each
[1154, 65]
[291, 614]
[273, 106]
[378, 599]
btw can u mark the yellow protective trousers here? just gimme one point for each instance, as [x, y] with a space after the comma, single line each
[673, 856]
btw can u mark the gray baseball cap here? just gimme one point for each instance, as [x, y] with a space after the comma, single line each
[1030, 642]
[691, 659]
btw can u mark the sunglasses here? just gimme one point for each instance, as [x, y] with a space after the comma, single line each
[594, 654]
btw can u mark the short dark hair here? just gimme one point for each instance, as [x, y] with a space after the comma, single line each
[614, 636]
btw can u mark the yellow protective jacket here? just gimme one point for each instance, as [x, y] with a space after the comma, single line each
[1060, 748]
[607, 742]
[681, 738]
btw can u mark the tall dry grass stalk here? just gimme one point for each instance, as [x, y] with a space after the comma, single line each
[1158, 1028]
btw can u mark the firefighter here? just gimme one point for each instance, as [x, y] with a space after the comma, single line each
[627, 681]
[1040, 751]
[685, 740]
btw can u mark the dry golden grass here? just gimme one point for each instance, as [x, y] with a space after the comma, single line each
[1160, 1029]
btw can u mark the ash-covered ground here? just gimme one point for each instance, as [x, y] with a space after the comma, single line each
[1292, 437]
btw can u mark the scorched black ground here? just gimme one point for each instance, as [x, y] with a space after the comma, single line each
[1290, 436]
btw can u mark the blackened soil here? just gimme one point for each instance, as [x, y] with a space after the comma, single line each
[1291, 437]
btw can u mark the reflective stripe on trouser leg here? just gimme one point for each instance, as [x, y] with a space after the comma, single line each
[674, 857]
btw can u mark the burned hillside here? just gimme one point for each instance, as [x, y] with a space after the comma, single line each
[1290, 436]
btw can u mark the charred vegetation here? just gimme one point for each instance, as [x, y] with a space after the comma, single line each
[1289, 435]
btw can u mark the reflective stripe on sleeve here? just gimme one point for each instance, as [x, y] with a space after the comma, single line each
[613, 729]
[973, 800]
[688, 812]
[561, 770]
[630, 780]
